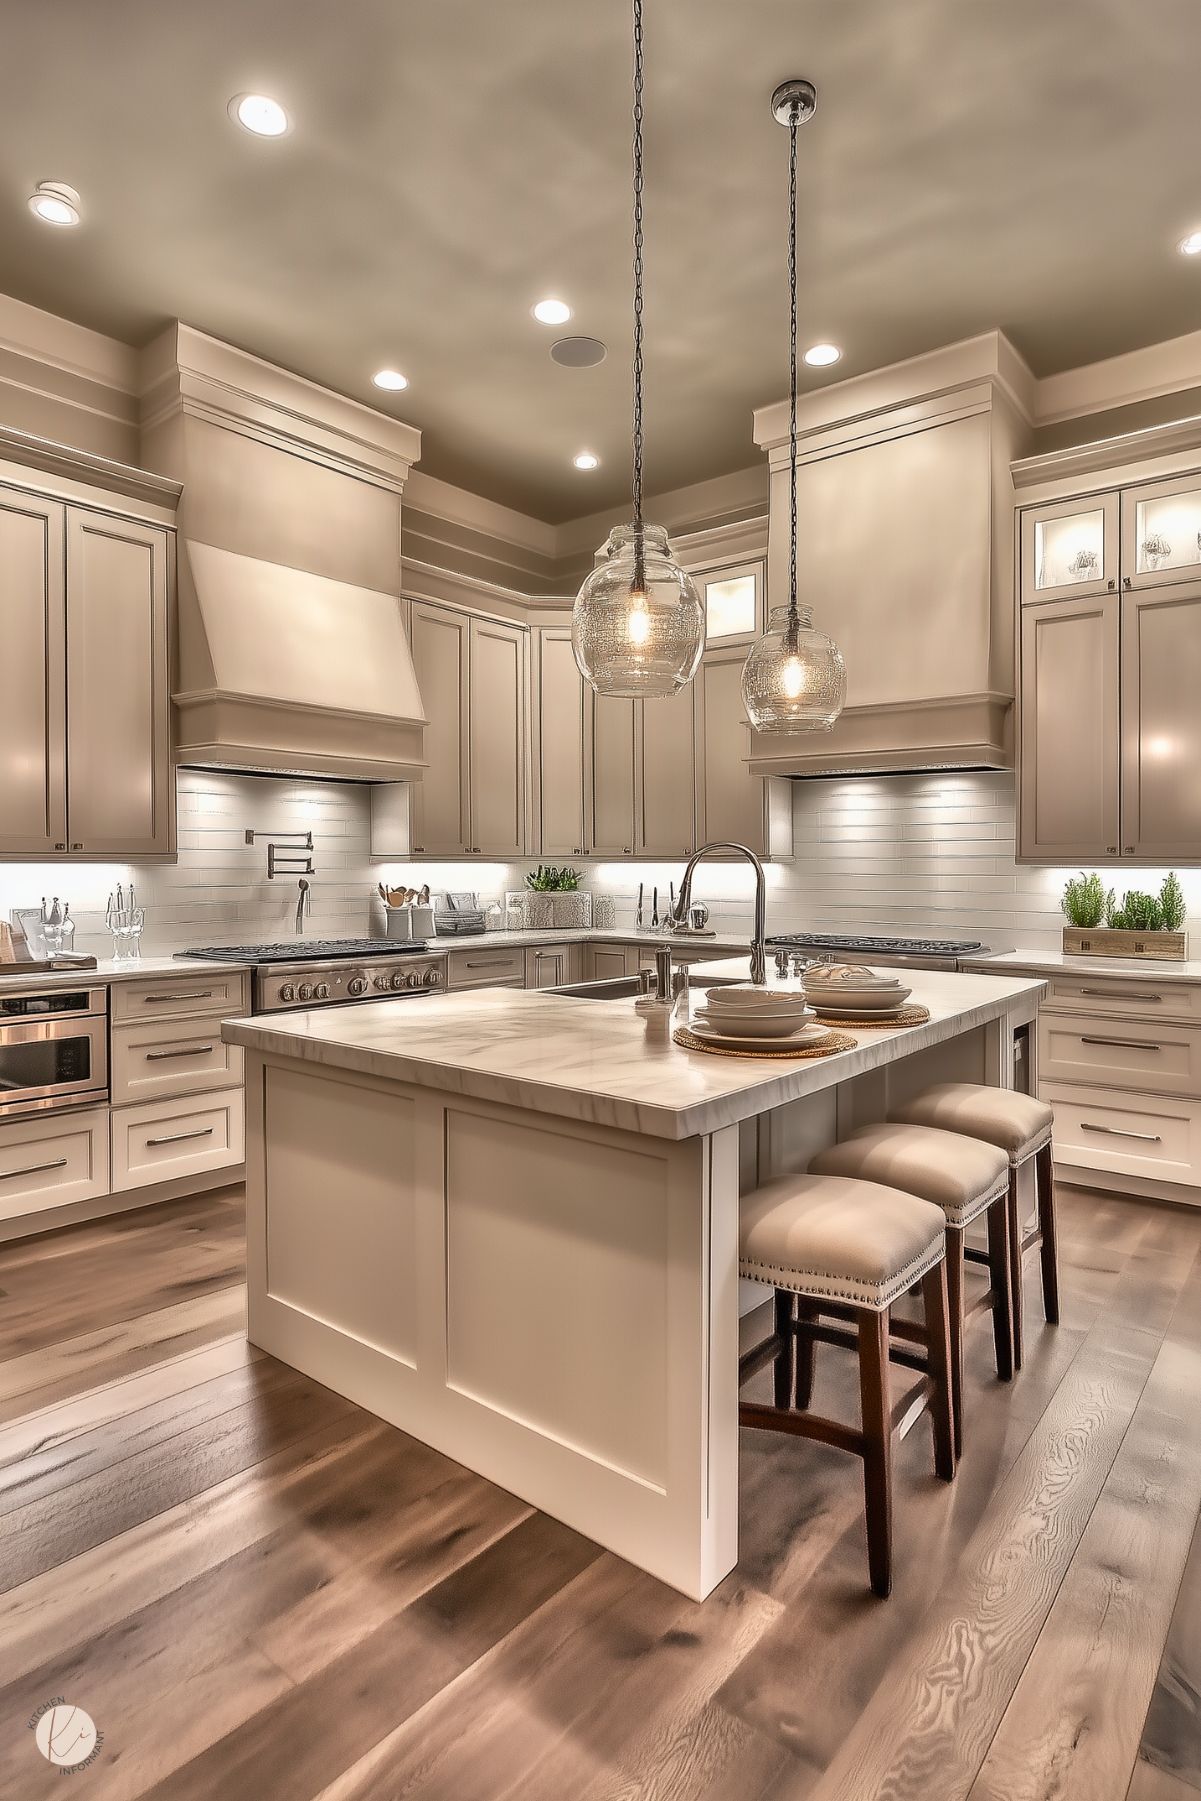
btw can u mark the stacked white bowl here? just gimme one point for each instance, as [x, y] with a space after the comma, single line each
[853, 988]
[740, 1011]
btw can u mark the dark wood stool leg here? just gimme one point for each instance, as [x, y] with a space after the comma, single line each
[1044, 1179]
[939, 1328]
[784, 1368]
[1014, 1222]
[806, 1350]
[876, 1406]
[1002, 1291]
[954, 1279]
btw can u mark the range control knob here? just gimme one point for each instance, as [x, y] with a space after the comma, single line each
[321, 991]
[414, 980]
[382, 982]
[305, 992]
[357, 985]
[398, 980]
[287, 992]
[432, 978]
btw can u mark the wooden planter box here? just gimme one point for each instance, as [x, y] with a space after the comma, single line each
[1105, 941]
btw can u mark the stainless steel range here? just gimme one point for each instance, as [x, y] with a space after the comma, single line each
[330, 972]
[926, 953]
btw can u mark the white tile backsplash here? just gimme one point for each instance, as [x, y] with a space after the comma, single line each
[906, 855]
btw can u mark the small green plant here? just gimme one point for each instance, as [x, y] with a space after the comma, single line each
[1084, 900]
[1138, 913]
[546, 879]
[1171, 902]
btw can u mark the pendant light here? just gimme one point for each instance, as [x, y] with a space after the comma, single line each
[637, 627]
[794, 679]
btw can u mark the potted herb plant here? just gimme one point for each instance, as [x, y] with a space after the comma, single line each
[1142, 925]
[556, 898]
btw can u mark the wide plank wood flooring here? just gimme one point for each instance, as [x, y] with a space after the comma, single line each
[261, 1593]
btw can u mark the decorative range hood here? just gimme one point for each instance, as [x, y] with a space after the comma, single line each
[905, 516]
[292, 654]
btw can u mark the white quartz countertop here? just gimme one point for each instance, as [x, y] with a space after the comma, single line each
[110, 969]
[592, 1060]
[1120, 969]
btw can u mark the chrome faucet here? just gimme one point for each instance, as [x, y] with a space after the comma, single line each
[759, 935]
[300, 905]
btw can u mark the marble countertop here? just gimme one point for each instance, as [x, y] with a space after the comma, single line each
[1121, 969]
[593, 1060]
[110, 969]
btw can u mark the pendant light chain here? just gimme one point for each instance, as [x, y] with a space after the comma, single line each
[639, 552]
[793, 127]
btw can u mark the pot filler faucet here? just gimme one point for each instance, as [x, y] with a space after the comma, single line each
[759, 936]
[300, 906]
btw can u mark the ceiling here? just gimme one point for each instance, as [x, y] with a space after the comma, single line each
[1005, 163]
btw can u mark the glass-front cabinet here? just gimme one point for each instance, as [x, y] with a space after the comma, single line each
[733, 601]
[1070, 548]
[1161, 533]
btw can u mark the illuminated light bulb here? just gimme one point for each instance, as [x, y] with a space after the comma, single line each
[638, 626]
[792, 679]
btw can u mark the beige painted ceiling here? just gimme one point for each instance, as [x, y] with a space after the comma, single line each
[1021, 163]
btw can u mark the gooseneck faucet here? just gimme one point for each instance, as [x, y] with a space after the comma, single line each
[759, 936]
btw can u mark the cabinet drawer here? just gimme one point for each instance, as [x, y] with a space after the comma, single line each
[484, 968]
[1149, 1058]
[1124, 996]
[1099, 1128]
[160, 1140]
[176, 997]
[157, 1057]
[53, 1161]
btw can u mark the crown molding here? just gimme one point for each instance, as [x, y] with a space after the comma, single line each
[1145, 374]
[1127, 453]
[65, 463]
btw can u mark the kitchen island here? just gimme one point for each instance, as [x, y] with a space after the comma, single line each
[507, 1222]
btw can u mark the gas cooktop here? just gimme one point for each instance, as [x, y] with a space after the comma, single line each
[911, 947]
[308, 950]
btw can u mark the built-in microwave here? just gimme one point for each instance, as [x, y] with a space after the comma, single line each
[53, 1048]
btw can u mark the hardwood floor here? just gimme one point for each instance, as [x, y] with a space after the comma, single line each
[260, 1593]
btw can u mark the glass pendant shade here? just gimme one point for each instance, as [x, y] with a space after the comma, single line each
[640, 639]
[794, 679]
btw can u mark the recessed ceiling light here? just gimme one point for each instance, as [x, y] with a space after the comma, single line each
[820, 356]
[1190, 246]
[551, 312]
[260, 114]
[55, 203]
[586, 460]
[391, 379]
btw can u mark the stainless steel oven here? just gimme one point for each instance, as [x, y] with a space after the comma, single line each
[53, 1048]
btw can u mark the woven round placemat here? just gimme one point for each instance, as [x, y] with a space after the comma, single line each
[832, 1042]
[905, 1016]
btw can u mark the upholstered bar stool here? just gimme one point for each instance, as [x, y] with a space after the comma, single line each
[829, 1246]
[1021, 1127]
[966, 1178]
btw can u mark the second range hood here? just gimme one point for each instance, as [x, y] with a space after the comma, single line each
[292, 653]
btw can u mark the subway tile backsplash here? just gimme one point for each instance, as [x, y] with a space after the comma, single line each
[906, 855]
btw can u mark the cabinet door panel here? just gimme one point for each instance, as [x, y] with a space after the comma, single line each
[497, 695]
[611, 784]
[730, 800]
[1161, 725]
[1161, 533]
[1068, 774]
[119, 777]
[561, 747]
[666, 824]
[33, 676]
[1070, 549]
[440, 642]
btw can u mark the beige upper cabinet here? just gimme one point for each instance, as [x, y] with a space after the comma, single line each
[119, 786]
[611, 763]
[497, 739]
[1161, 533]
[732, 804]
[33, 676]
[441, 644]
[665, 814]
[1070, 549]
[1161, 725]
[1068, 762]
[560, 747]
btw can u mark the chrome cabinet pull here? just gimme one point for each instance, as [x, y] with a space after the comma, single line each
[178, 1137]
[196, 994]
[1117, 1132]
[185, 1050]
[1125, 1044]
[1117, 994]
[488, 962]
[32, 1169]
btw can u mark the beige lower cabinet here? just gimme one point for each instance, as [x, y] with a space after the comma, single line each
[53, 1160]
[551, 965]
[733, 805]
[605, 961]
[165, 1140]
[480, 967]
[1069, 729]
[163, 1057]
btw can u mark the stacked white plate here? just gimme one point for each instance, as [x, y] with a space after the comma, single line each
[743, 1018]
[851, 988]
